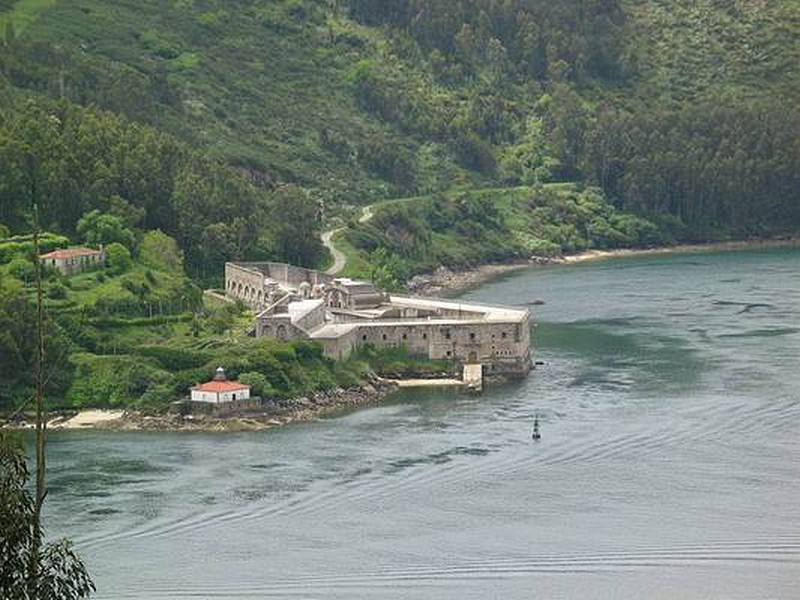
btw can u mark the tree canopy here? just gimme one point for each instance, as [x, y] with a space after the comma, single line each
[62, 574]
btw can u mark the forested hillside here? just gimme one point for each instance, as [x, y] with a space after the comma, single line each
[71, 161]
[678, 108]
[240, 128]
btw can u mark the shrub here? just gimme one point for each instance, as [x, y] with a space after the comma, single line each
[308, 351]
[351, 373]
[534, 246]
[21, 246]
[175, 359]
[118, 258]
[160, 252]
[23, 269]
[155, 398]
[221, 320]
[112, 380]
[259, 385]
[57, 292]
[97, 228]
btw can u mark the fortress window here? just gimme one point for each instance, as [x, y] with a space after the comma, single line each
[449, 354]
[504, 335]
[447, 334]
[384, 337]
[405, 336]
[472, 337]
[364, 337]
[424, 336]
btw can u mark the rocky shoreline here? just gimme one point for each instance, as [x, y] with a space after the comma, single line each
[444, 281]
[280, 413]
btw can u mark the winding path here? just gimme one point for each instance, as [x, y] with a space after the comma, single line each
[339, 259]
[367, 212]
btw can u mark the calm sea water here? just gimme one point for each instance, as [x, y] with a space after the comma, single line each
[669, 466]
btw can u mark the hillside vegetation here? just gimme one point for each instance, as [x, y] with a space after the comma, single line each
[466, 228]
[138, 334]
[361, 99]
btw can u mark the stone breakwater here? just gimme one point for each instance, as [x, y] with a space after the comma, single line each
[276, 413]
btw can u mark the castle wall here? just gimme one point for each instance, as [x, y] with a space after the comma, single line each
[292, 276]
[250, 282]
[503, 347]
[279, 327]
[341, 347]
[245, 284]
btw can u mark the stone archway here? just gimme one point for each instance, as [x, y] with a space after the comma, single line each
[281, 332]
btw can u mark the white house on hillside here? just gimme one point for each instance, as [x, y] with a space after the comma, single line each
[220, 390]
[74, 260]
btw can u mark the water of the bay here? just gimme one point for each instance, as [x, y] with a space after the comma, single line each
[669, 467]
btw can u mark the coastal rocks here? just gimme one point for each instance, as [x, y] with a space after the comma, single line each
[273, 413]
[446, 280]
[132, 420]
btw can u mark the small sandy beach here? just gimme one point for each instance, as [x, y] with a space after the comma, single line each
[590, 255]
[87, 419]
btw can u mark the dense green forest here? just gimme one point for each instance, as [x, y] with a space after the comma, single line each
[658, 104]
[198, 131]
[72, 161]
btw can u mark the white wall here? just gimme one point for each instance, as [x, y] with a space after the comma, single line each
[229, 396]
[213, 397]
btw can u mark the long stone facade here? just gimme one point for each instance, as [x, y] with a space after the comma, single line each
[342, 314]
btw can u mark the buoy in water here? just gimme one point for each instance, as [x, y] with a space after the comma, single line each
[536, 435]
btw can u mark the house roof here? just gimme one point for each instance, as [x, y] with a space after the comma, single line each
[220, 386]
[70, 253]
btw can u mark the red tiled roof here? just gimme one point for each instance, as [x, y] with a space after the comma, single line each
[220, 386]
[70, 253]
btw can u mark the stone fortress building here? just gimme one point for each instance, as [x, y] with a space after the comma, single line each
[342, 314]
